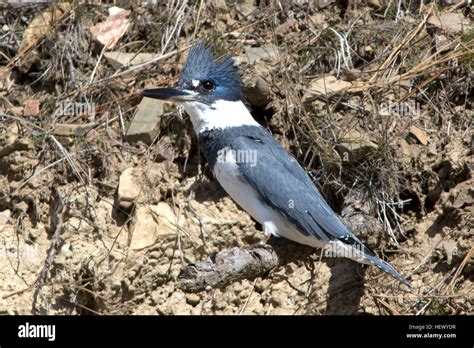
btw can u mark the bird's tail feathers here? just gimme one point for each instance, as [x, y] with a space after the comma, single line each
[386, 267]
[358, 252]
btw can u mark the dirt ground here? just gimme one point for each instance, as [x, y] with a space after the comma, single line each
[376, 102]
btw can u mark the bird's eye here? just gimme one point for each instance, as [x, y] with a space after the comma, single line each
[208, 85]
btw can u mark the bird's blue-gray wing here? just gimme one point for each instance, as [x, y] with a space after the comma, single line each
[286, 186]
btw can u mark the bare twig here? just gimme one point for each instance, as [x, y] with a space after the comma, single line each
[460, 268]
[57, 222]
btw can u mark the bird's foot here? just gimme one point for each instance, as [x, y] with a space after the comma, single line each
[263, 241]
[265, 238]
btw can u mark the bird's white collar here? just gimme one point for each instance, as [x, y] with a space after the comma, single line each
[220, 114]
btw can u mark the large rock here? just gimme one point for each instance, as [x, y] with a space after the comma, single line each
[145, 124]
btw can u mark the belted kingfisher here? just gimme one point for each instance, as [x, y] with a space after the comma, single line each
[252, 167]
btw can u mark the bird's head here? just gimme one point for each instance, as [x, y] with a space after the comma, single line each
[204, 79]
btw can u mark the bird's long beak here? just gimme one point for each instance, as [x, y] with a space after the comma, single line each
[174, 94]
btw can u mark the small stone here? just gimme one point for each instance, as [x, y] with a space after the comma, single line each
[284, 28]
[177, 304]
[66, 250]
[166, 218]
[325, 86]
[38, 28]
[442, 43]
[193, 299]
[16, 111]
[64, 129]
[319, 19]
[245, 8]
[155, 255]
[169, 253]
[449, 247]
[258, 93]
[405, 148]
[350, 74]
[261, 286]
[109, 32]
[152, 223]
[454, 156]
[254, 54]
[450, 22]
[124, 59]
[145, 124]
[354, 146]
[368, 49]
[116, 285]
[144, 229]
[419, 134]
[32, 108]
[140, 185]
[5, 28]
[128, 189]
[5, 217]
[432, 149]
[374, 3]
[238, 288]
[275, 299]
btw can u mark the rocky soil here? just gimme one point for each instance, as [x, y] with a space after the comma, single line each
[104, 197]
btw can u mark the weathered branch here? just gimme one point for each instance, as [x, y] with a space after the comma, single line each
[232, 265]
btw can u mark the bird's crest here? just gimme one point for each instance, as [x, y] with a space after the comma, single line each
[203, 64]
